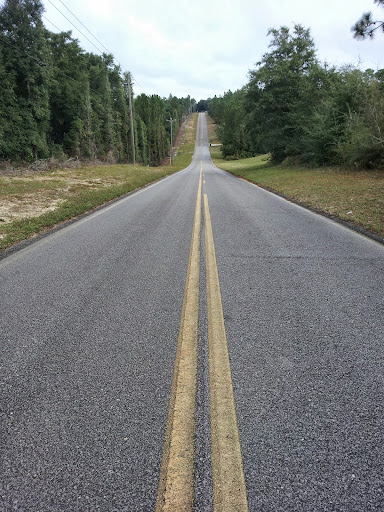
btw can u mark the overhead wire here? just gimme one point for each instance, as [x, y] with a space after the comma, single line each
[93, 44]
[44, 64]
[41, 63]
[87, 29]
[49, 21]
[137, 83]
[96, 39]
[57, 28]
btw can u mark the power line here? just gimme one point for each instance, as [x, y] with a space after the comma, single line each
[137, 83]
[98, 49]
[43, 64]
[74, 15]
[87, 29]
[56, 27]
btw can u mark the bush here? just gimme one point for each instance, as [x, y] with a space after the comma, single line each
[362, 144]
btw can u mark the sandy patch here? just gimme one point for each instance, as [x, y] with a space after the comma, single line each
[25, 205]
[13, 209]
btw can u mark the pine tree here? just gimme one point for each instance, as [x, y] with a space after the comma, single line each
[280, 93]
[9, 124]
[69, 86]
[25, 57]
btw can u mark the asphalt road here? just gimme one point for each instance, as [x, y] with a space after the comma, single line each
[89, 324]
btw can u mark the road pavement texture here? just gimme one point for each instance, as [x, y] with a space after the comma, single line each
[117, 392]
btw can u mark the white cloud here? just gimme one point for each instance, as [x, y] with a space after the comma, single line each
[206, 47]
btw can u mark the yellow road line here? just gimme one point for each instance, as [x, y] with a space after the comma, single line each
[229, 491]
[176, 484]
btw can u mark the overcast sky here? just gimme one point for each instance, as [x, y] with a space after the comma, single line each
[206, 47]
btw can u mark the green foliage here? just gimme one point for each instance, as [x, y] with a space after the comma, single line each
[25, 55]
[67, 93]
[229, 112]
[202, 105]
[341, 92]
[297, 109]
[55, 98]
[281, 90]
[151, 110]
[362, 144]
[77, 200]
[270, 113]
[350, 195]
[366, 26]
[9, 119]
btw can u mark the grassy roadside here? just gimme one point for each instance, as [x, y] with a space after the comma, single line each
[34, 202]
[353, 196]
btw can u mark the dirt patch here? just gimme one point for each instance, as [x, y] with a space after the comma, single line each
[18, 205]
[31, 206]
[212, 134]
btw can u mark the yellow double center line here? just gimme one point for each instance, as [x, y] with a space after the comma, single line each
[229, 491]
[176, 485]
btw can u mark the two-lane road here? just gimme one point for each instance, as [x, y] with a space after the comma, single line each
[92, 321]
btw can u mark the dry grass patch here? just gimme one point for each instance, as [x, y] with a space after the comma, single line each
[212, 134]
[35, 201]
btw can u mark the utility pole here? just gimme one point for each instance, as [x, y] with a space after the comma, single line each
[128, 84]
[171, 153]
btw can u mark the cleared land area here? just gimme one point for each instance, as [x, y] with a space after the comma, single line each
[350, 195]
[31, 202]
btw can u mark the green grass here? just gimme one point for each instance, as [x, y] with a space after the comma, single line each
[80, 190]
[78, 200]
[353, 196]
[350, 195]
[185, 152]
[19, 187]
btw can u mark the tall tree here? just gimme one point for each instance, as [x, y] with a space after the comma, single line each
[25, 57]
[10, 126]
[57, 99]
[102, 102]
[120, 113]
[230, 115]
[280, 93]
[67, 93]
[362, 141]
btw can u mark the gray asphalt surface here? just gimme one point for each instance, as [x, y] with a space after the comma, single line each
[303, 304]
[89, 324]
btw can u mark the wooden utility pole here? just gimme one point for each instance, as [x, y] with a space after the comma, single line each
[171, 153]
[128, 84]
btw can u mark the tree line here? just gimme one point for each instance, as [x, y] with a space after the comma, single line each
[300, 110]
[58, 100]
